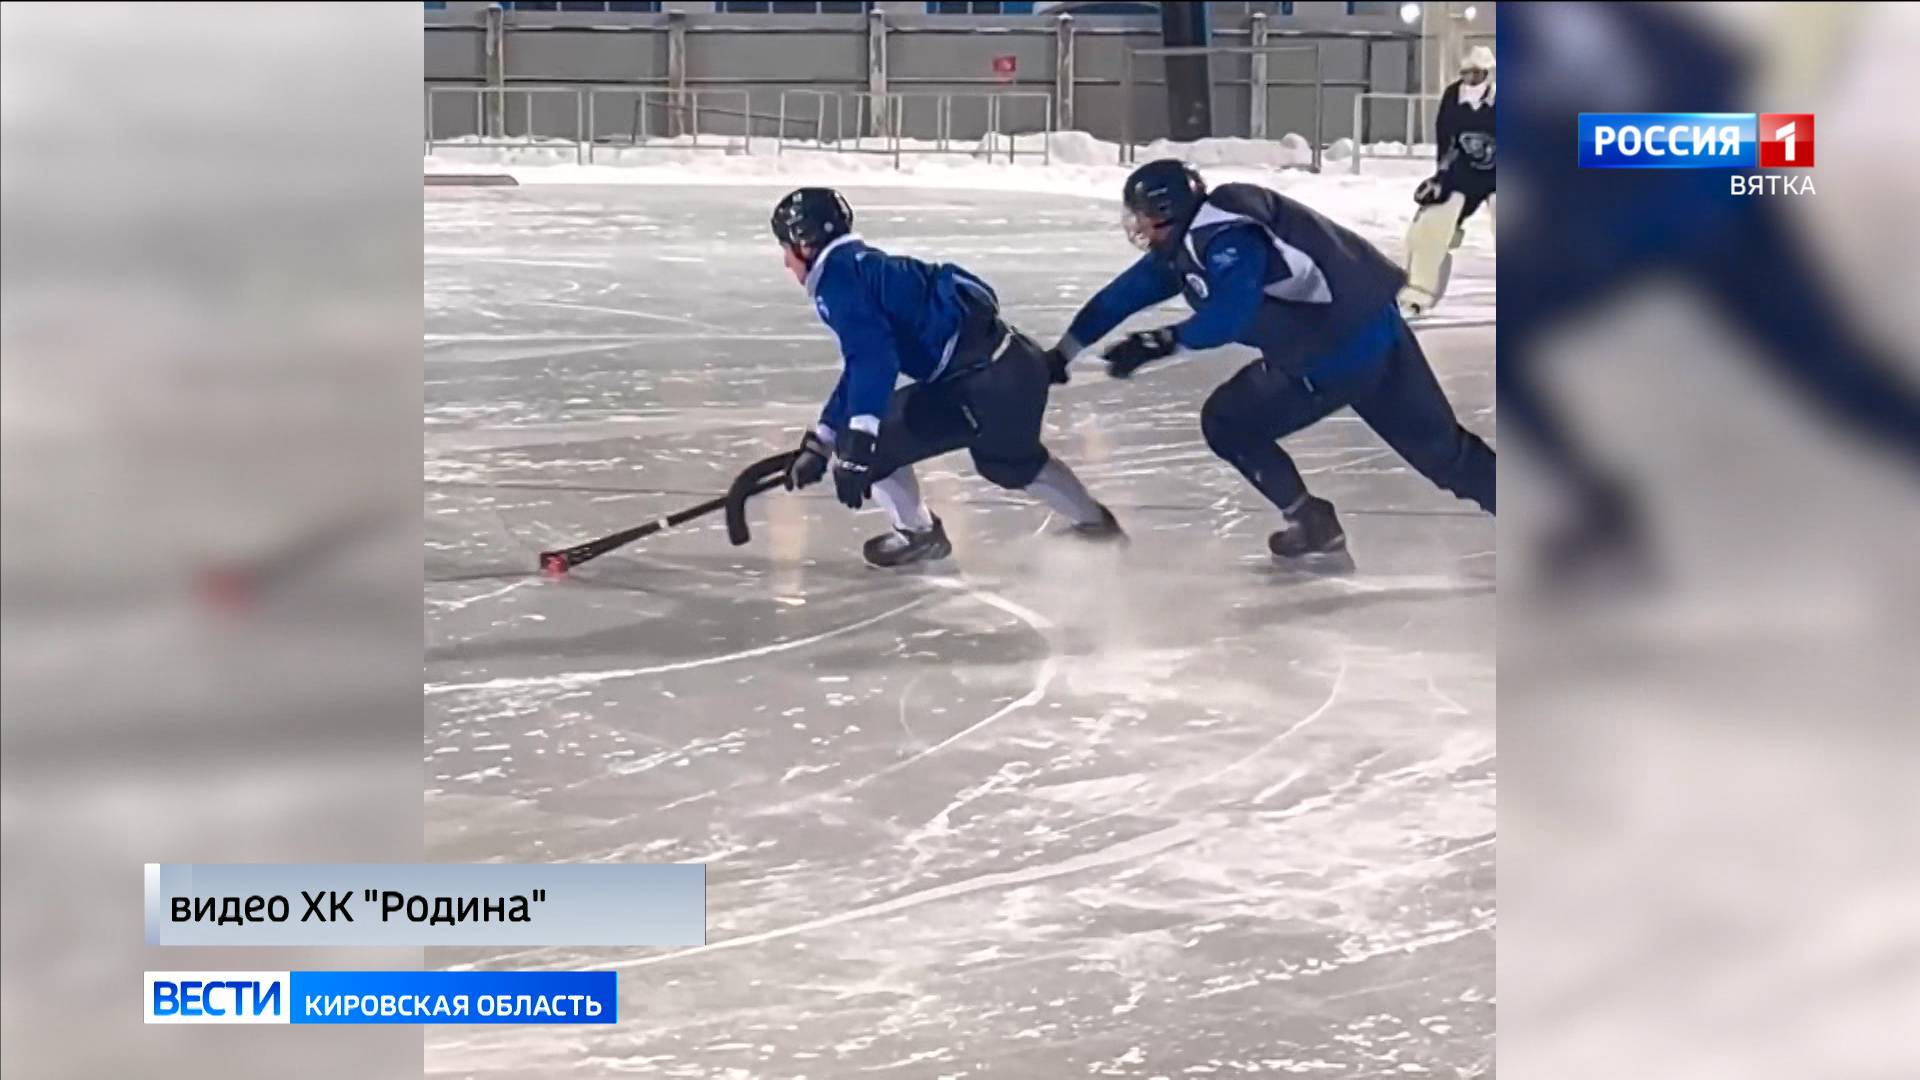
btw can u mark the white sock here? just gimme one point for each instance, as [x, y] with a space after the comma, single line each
[899, 495]
[1064, 494]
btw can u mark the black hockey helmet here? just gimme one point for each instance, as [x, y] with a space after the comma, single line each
[1159, 193]
[811, 218]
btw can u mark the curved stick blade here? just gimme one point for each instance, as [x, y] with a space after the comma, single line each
[758, 477]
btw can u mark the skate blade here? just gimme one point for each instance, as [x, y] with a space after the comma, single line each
[1321, 564]
[921, 566]
[923, 562]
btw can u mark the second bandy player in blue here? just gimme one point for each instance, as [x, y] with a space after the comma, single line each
[1318, 301]
[973, 382]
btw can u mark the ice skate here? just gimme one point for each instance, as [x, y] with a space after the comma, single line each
[904, 546]
[1415, 302]
[1313, 539]
[1105, 531]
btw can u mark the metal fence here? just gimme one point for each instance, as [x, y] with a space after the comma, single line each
[586, 117]
[493, 118]
[861, 122]
[615, 117]
[1418, 112]
[1258, 85]
[1078, 58]
[625, 116]
[841, 121]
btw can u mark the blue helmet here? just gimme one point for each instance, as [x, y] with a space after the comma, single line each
[811, 218]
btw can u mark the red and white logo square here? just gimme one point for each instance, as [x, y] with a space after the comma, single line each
[1786, 140]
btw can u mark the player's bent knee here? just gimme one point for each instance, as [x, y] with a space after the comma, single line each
[1012, 474]
[1219, 427]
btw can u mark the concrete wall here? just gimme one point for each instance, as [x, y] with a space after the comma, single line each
[762, 55]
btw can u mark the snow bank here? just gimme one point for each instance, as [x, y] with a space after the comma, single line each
[1080, 148]
[1377, 202]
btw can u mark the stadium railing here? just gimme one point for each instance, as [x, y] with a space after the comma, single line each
[1417, 113]
[493, 119]
[860, 122]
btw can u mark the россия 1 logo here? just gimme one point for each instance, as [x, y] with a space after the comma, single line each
[1786, 140]
[1704, 141]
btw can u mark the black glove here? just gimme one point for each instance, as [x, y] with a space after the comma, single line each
[1125, 356]
[853, 467]
[810, 464]
[1432, 190]
[1057, 362]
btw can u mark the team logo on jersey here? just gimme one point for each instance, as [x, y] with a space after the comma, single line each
[1477, 147]
[1197, 285]
[1223, 258]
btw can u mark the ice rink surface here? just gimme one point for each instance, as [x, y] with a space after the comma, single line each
[1042, 810]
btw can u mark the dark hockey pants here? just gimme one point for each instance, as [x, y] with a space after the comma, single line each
[995, 413]
[1394, 391]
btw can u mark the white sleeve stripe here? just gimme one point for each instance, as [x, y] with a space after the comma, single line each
[946, 357]
[1304, 283]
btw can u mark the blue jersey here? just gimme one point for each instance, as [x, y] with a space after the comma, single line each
[1260, 269]
[893, 316]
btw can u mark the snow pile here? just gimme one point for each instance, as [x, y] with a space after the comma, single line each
[732, 156]
[1064, 163]
[1390, 148]
[1080, 148]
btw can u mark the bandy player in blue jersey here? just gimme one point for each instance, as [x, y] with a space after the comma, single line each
[974, 382]
[1318, 302]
